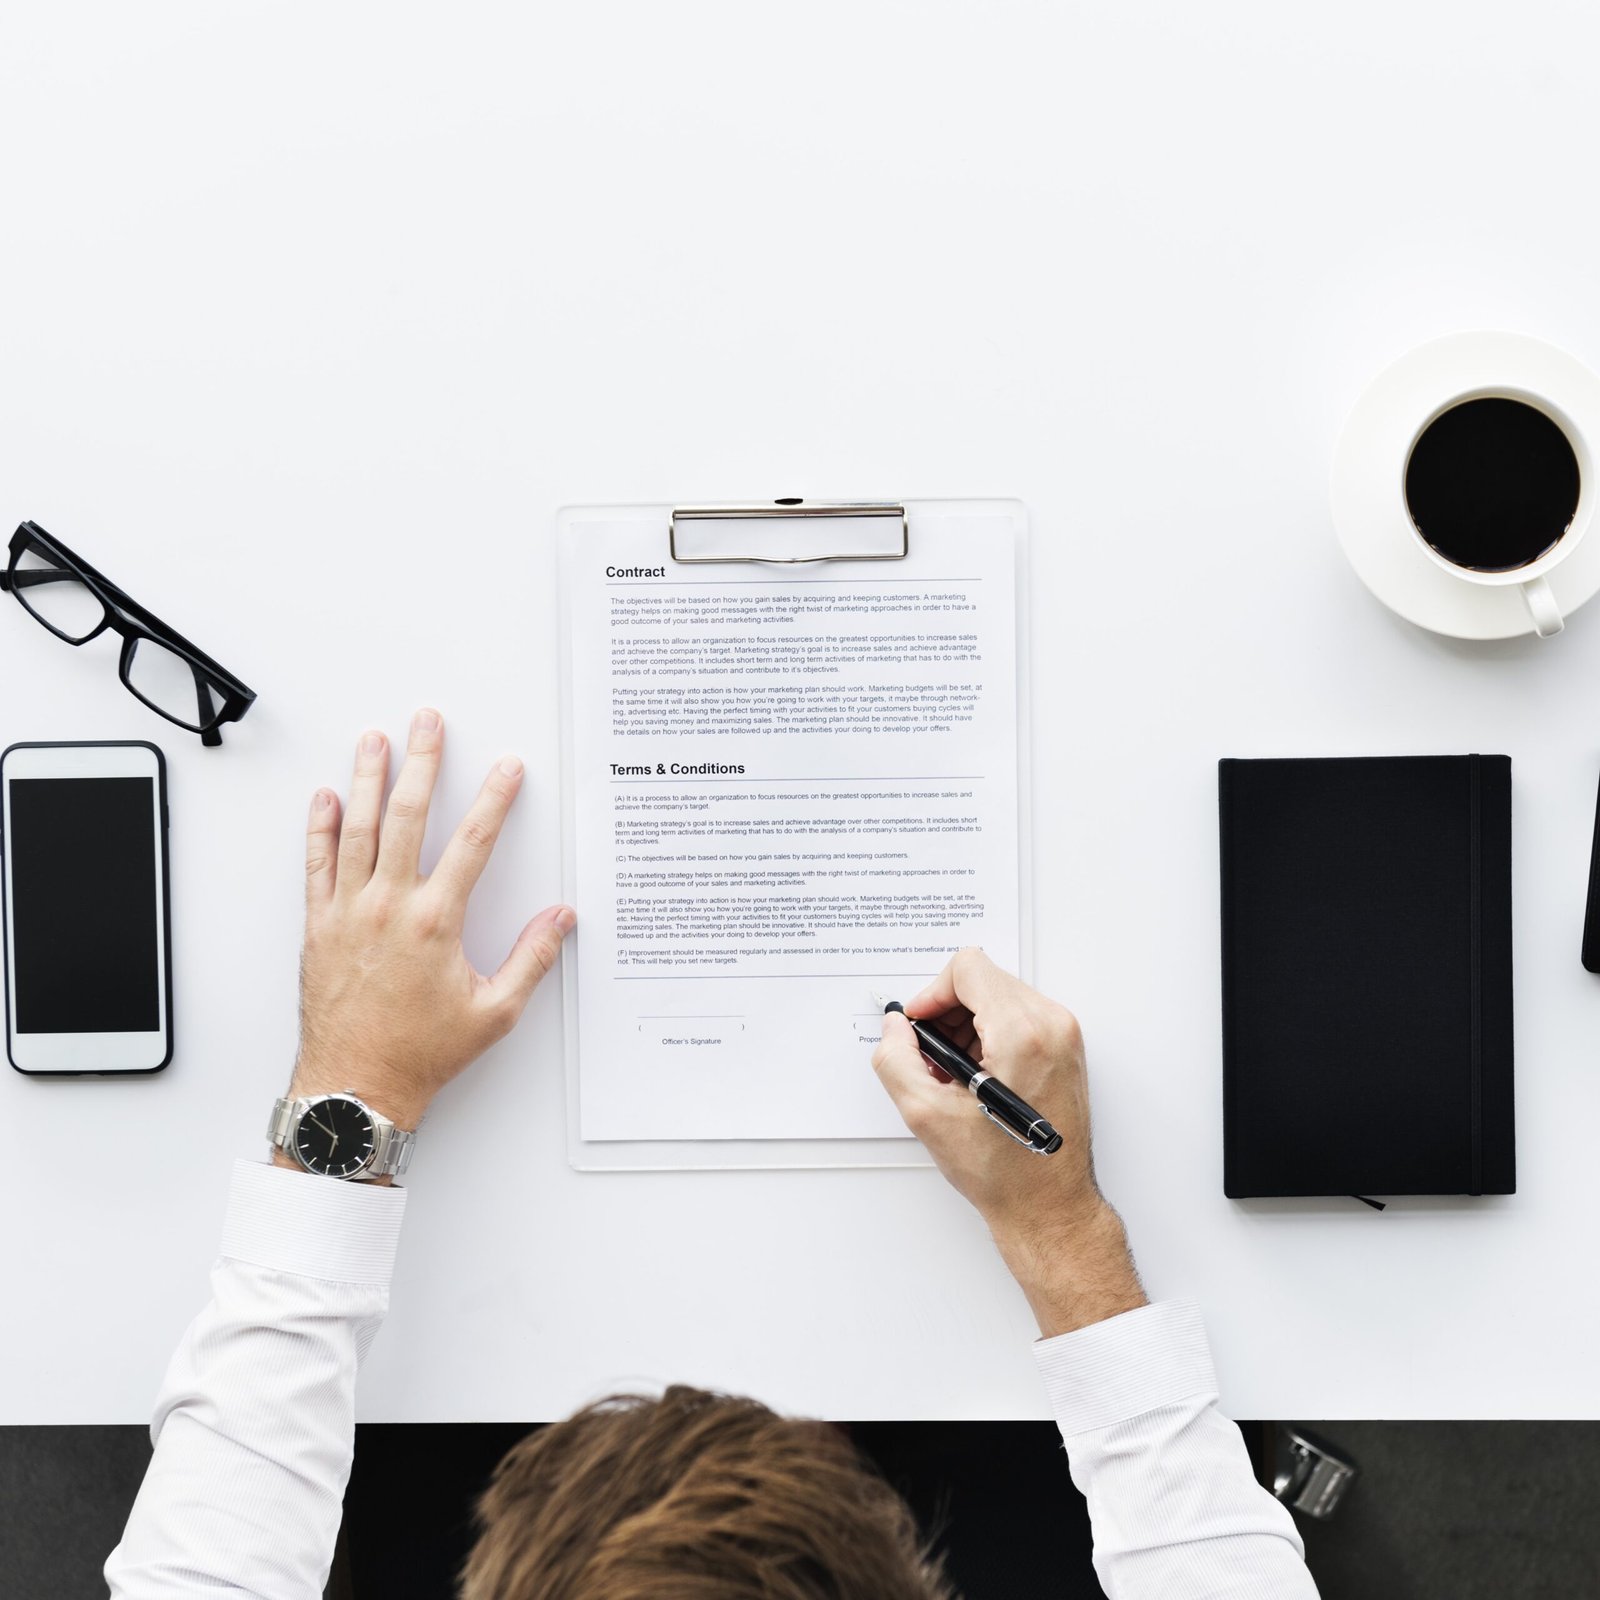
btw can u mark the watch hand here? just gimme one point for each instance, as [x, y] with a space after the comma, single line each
[323, 1125]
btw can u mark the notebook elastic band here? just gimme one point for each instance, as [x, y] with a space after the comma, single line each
[1475, 775]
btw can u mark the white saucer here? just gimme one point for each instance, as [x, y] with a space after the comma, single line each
[1368, 466]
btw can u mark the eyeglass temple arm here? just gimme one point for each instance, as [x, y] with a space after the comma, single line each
[72, 565]
[33, 577]
[208, 708]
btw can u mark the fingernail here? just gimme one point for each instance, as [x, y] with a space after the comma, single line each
[566, 920]
[511, 766]
[372, 744]
[425, 721]
[321, 800]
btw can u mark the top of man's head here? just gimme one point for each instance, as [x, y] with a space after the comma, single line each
[694, 1496]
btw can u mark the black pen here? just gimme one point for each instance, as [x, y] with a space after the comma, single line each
[1014, 1115]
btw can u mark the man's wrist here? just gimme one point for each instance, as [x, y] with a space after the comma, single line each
[403, 1111]
[1075, 1271]
[373, 1088]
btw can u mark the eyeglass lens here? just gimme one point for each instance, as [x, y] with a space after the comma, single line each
[165, 681]
[56, 597]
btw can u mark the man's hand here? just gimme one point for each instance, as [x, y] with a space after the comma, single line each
[390, 1007]
[1062, 1241]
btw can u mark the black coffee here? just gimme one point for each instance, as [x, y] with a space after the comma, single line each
[1492, 484]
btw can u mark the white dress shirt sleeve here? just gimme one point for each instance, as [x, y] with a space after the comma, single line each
[1176, 1510]
[255, 1421]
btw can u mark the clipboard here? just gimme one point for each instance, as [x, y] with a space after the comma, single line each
[788, 533]
[795, 534]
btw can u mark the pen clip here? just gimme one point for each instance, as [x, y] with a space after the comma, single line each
[1011, 1133]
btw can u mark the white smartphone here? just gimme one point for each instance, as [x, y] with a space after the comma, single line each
[88, 931]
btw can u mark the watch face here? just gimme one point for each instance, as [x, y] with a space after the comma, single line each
[334, 1137]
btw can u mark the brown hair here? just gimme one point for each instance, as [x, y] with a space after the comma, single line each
[694, 1496]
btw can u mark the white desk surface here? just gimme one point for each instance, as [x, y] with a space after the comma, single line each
[311, 316]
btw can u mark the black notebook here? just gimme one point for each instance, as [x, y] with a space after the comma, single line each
[1366, 976]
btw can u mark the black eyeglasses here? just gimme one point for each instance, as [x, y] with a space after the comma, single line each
[161, 667]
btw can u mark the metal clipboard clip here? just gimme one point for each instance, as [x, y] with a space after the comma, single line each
[705, 534]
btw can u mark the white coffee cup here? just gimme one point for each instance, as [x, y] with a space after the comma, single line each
[1531, 578]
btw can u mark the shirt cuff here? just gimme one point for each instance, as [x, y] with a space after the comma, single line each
[1116, 1370]
[312, 1226]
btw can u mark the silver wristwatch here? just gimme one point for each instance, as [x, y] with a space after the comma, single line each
[340, 1136]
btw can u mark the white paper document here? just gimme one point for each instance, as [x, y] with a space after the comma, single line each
[791, 786]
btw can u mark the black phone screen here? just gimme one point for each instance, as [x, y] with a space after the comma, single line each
[81, 860]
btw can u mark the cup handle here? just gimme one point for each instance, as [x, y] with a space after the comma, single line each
[1542, 607]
